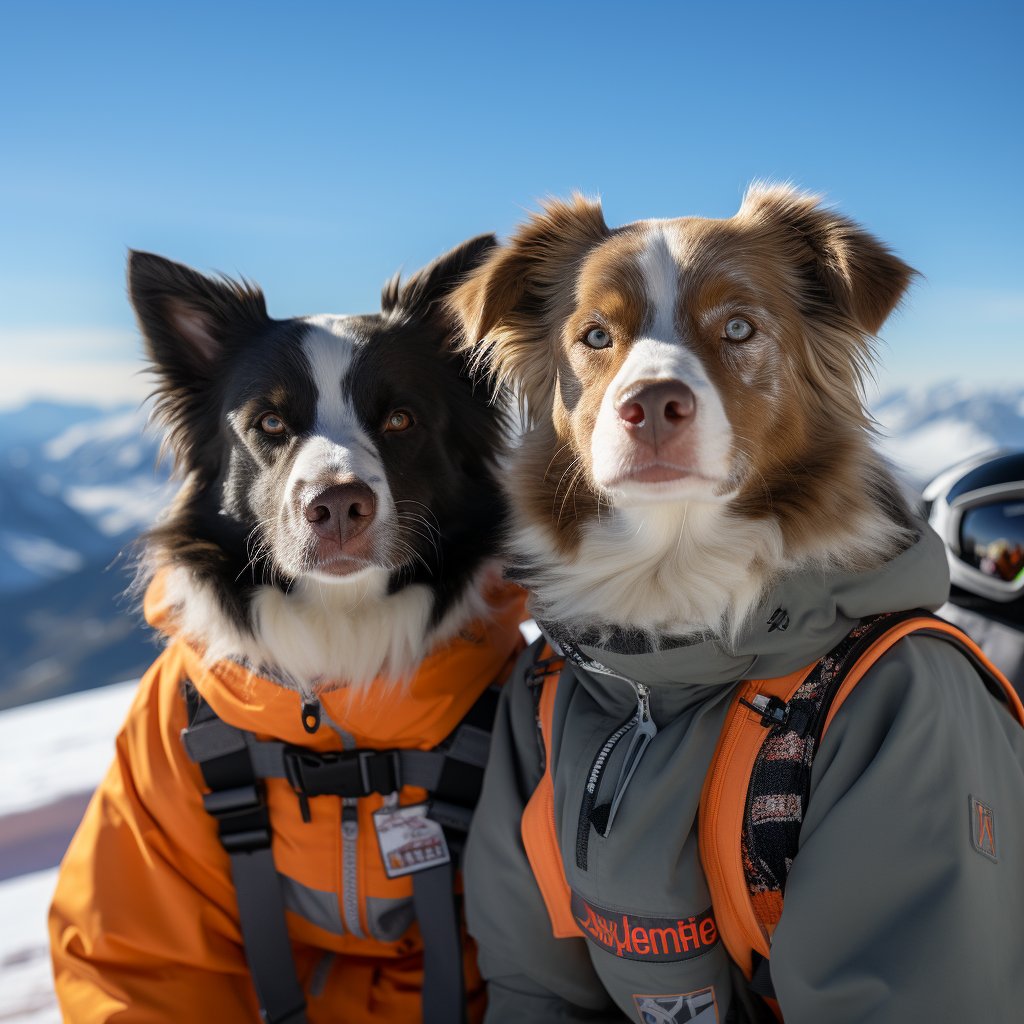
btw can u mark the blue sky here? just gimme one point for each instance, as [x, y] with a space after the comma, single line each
[315, 148]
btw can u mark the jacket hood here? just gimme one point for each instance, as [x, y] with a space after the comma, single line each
[800, 619]
[417, 713]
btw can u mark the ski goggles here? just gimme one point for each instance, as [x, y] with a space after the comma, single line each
[984, 531]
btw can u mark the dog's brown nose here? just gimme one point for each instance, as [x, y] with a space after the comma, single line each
[655, 411]
[343, 511]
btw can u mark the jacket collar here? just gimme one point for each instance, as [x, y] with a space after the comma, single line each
[418, 712]
[801, 618]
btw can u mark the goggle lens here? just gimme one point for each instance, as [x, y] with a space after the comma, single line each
[992, 539]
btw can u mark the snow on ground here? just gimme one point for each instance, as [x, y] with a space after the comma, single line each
[50, 753]
[59, 747]
[26, 983]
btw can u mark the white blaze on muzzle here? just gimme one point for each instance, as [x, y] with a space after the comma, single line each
[339, 449]
[662, 366]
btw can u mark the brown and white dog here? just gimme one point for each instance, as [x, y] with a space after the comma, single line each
[693, 390]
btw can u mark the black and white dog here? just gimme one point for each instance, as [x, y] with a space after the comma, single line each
[339, 507]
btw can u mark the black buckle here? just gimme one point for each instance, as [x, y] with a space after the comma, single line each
[382, 770]
[243, 821]
[349, 773]
[774, 712]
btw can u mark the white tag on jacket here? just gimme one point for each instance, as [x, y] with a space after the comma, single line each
[409, 840]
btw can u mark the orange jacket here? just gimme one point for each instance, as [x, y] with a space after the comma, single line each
[144, 923]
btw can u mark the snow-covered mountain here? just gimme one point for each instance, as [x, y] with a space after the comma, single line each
[74, 493]
[77, 484]
[925, 430]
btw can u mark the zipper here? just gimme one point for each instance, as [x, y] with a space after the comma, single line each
[646, 730]
[641, 726]
[590, 792]
[350, 865]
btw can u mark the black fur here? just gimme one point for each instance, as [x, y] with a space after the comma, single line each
[220, 362]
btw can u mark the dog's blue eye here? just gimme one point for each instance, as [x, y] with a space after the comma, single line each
[598, 338]
[738, 329]
[271, 424]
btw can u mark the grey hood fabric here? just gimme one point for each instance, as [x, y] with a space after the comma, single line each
[891, 912]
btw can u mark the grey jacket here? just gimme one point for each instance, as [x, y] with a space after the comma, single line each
[892, 913]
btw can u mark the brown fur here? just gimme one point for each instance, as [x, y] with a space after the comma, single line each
[815, 285]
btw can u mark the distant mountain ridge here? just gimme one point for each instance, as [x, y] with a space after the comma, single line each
[79, 483]
[77, 486]
[80, 490]
[925, 430]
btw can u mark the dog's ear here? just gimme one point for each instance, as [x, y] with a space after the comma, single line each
[189, 323]
[187, 318]
[510, 306]
[422, 295]
[858, 274]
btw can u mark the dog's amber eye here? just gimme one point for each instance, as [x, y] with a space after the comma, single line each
[738, 329]
[272, 425]
[398, 420]
[598, 338]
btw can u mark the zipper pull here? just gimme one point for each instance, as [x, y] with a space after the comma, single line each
[311, 715]
[644, 731]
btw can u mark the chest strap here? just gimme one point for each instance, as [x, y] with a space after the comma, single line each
[234, 764]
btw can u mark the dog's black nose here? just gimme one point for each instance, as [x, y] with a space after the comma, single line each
[343, 511]
[654, 411]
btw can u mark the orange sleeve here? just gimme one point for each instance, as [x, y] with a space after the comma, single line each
[143, 925]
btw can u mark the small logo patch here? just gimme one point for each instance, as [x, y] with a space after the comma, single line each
[653, 939]
[778, 620]
[983, 829]
[698, 1007]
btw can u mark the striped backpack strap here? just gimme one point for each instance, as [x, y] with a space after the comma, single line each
[755, 794]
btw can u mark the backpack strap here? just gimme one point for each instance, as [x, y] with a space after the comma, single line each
[454, 794]
[926, 624]
[237, 801]
[756, 792]
[755, 709]
[433, 900]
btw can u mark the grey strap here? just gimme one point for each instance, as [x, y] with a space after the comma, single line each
[443, 991]
[268, 949]
[204, 740]
[237, 804]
